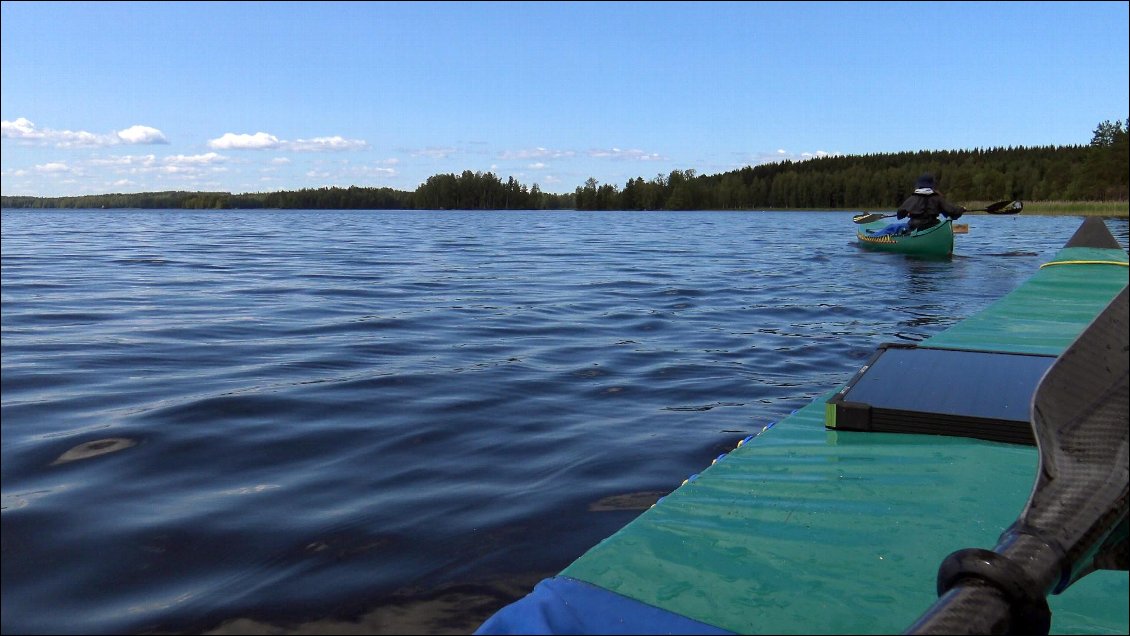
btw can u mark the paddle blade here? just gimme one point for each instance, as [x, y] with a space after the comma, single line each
[868, 218]
[1081, 417]
[1005, 207]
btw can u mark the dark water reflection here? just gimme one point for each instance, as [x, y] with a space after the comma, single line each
[397, 422]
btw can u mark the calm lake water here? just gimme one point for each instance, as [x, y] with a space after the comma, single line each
[398, 422]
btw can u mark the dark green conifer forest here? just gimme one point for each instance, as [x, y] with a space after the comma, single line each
[1097, 171]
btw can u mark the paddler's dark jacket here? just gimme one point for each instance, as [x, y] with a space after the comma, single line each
[924, 206]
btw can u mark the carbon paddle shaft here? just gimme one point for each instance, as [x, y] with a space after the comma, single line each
[971, 609]
[1002, 591]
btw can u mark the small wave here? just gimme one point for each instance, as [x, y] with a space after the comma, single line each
[705, 407]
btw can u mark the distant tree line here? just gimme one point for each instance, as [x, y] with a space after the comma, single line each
[468, 191]
[484, 191]
[1095, 172]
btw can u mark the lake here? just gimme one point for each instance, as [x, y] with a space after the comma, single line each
[399, 421]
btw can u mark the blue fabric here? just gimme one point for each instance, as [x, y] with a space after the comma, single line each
[562, 605]
[893, 228]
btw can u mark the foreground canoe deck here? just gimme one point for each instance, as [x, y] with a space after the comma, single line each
[806, 529]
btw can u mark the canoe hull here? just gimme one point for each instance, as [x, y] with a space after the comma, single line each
[934, 241]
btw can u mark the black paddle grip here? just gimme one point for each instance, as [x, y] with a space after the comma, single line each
[1030, 613]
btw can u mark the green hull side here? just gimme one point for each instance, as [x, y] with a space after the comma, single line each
[935, 241]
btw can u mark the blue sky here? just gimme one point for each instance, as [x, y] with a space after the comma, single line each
[254, 97]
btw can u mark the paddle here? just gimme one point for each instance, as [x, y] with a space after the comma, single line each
[1075, 520]
[1000, 207]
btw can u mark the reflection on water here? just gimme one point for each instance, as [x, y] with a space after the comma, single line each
[86, 450]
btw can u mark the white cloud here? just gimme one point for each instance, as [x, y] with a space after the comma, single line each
[23, 129]
[537, 165]
[142, 135]
[135, 166]
[195, 160]
[232, 141]
[267, 141]
[317, 144]
[536, 153]
[782, 155]
[27, 131]
[125, 160]
[189, 171]
[280, 161]
[53, 167]
[376, 172]
[630, 155]
[434, 153]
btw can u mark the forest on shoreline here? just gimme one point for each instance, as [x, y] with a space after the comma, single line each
[1094, 173]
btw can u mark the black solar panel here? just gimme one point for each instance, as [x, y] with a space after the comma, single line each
[967, 393]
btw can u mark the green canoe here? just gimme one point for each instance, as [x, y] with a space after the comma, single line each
[934, 241]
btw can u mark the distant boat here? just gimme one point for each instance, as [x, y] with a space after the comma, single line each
[932, 241]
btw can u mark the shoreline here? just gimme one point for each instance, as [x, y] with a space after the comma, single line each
[1119, 209]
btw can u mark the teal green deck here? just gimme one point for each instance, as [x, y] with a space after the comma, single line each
[1047, 312]
[804, 530]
